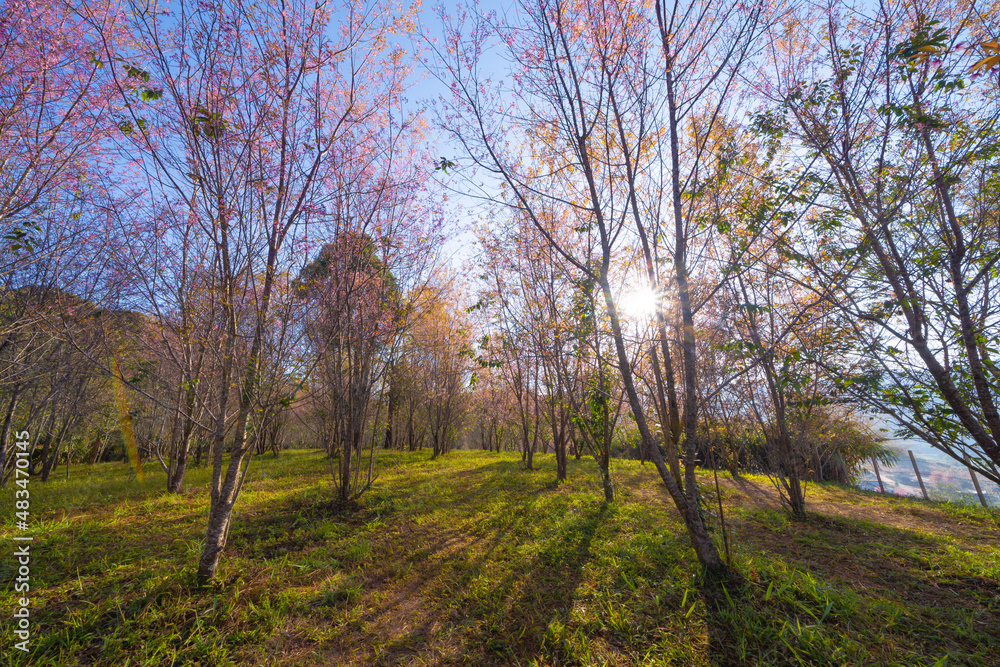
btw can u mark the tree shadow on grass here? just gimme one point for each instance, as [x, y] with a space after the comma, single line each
[467, 599]
[438, 536]
[832, 590]
[273, 528]
[513, 617]
[420, 606]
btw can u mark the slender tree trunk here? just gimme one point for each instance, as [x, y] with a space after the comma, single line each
[687, 505]
[96, 448]
[45, 439]
[7, 420]
[557, 418]
[560, 447]
[224, 492]
[387, 441]
[344, 494]
[609, 489]
[198, 452]
[49, 463]
[970, 332]
[175, 480]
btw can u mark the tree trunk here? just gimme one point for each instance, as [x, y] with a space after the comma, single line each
[687, 505]
[344, 492]
[8, 418]
[49, 463]
[175, 480]
[560, 447]
[609, 489]
[96, 448]
[387, 442]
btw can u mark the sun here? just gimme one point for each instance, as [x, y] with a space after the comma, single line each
[640, 304]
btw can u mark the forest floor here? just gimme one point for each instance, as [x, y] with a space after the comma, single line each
[472, 560]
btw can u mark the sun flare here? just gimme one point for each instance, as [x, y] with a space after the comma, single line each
[640, 304]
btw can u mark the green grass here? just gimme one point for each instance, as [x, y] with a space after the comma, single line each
[469, 559]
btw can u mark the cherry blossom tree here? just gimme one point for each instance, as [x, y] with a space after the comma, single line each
[237, 117]
[898, 111]
[600, 137]
[56, 105]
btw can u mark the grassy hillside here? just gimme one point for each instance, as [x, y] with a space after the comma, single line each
[471, 560]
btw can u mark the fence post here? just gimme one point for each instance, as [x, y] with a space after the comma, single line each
[975, 480]
[878, 475]
[920, 479]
